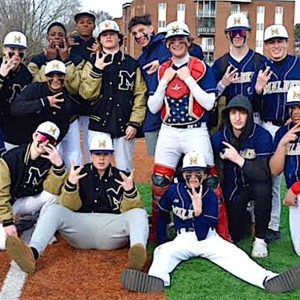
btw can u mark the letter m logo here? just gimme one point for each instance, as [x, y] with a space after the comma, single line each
[126, 82]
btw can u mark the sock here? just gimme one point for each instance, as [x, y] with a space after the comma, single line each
[259, 240]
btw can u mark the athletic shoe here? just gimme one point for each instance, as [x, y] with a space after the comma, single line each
[284, 282]
[138, 281]
[20, 253]
[260, 249]
[137, 256]
[272, 236]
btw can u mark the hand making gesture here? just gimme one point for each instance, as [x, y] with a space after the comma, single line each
[127, 182]
[6, 66]
[99, 63]
[290, 136]
[151, 67]
[196, 200]
[52, 154]
[74, 175]
[232, 154]
[55, 101]
[230, 76]
[262, 79]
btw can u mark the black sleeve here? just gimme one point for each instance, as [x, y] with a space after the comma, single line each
[257, 169]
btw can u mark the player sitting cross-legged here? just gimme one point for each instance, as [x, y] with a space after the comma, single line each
[195, 213]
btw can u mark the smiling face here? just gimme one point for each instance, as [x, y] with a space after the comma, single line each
[295, 113]
[178, 45]
[142, 34]
[277, 48]
[193, 179]
[55, 82]
[56, 36]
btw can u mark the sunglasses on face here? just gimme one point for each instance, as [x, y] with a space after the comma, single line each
[11, 54]
[240, 32]
[44, 138]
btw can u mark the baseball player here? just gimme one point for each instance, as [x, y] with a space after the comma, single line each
[115, 79]
[286, 159]
[243, 150]
[270, 87]
[14, 76]
[50, 101]
[185, 93]
[100, 208]
[195, 214]
[31, 176]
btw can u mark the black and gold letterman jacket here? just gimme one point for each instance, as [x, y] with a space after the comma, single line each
[120, 94]
[20, 176]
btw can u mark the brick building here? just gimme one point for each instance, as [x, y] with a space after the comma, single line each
[207, 19]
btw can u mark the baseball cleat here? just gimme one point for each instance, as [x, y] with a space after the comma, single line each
[141, 282]
[260, 249]
[137, 256]
[284, 282]
[20, 253]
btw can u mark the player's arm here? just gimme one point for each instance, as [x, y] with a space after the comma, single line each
[55, 179]
[38, 73]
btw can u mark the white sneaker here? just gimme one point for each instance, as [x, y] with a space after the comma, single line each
[260, 249]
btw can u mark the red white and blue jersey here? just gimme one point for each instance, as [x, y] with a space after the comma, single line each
[271, 102]
[177, 201]
[292, 157]
[257, 146]
[180, 107]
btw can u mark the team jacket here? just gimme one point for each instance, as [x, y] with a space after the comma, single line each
[292, 157]
[99, 195]
[180, 108]
[34, 104]
[245, 68]
[255, 145]
[177, 201]
[121, 93]
[82, 48]
[74, 67]
[10, 87]
[273, 98]
[21, 176]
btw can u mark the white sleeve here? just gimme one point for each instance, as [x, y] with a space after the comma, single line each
[206, 100]
[156, 101]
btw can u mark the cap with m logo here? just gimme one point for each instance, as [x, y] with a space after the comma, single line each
[15, 39]
[293, 96]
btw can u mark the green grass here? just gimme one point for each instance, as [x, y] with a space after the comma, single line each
[200, 279]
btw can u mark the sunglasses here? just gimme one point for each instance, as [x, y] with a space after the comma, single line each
[11, 54]
[240, 32]
[44, 138]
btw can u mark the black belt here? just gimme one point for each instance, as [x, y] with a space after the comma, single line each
[184, 126]
[277, 122]
[185, 229]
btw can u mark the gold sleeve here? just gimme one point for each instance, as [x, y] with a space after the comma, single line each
[140, 99]
[54, 182]
[130, 202]
[70, 199]
[5, 196]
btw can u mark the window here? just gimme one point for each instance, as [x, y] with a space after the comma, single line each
[235, 8]
[162, 16]
[181, 12]
[278, 15]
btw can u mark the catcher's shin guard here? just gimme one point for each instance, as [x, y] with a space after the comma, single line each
[161, 180]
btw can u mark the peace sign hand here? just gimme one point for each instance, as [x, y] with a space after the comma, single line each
[127, 182]
[74, 175]
[6, 66]
[99, 63]
[196, 200]
[54, 101]
[262, 79]
[231, 154]
[290, 136]
[64, 52]
[230, 76]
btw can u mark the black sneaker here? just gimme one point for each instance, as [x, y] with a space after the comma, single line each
[141, 282]
[272, 236]
[284, 282]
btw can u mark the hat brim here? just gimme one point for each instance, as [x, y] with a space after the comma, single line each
[276, 37]
[101, 151]
[238, 28]
[15, 46]
[295, 103]
[176, 34]
[193, 169]
[84, 14]
[55, 72]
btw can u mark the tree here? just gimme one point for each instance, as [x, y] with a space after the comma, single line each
[32, 17]
[297, 32]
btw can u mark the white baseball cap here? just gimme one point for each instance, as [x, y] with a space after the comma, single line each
[293, 96]
[49, 129]
[101, 143]
[177, 28]
[237, 21]
[275, 31]
[15, 39]
[108, 25]
[193, 161]
[55, 67]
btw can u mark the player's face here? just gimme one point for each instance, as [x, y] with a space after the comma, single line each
[295, 114]
[178, 45]
[238, 118]
[238, 38]
[193, 179]
[15, 54]
[55, 82]
[142, 34]
[109, 40]
[101, 161]
[85, 26]
[277, 48]
[41, 142]
[56, 36]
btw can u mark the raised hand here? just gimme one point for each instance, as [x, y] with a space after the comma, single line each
[290, 136]
[169, 74]
[74, 175]
[230, 76]
[95, 47]
[52, 155]
[6, 66]
[196, 200]
[99, 63]
[130, 133]
[51, 51]
[127, 182]
[231, 154]
[54, 101]
[64, 52]
[151, 67]
[183, 73]
[71, 39]
[262, 79]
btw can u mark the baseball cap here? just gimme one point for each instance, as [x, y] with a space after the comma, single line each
[49, 129]
[55, 67]
[84, 14]
[275, 31]
[108, 25]
[177, 28]
[15, 39]
[237, 21]
[193, 161]
[101, 143]
[293, 96]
